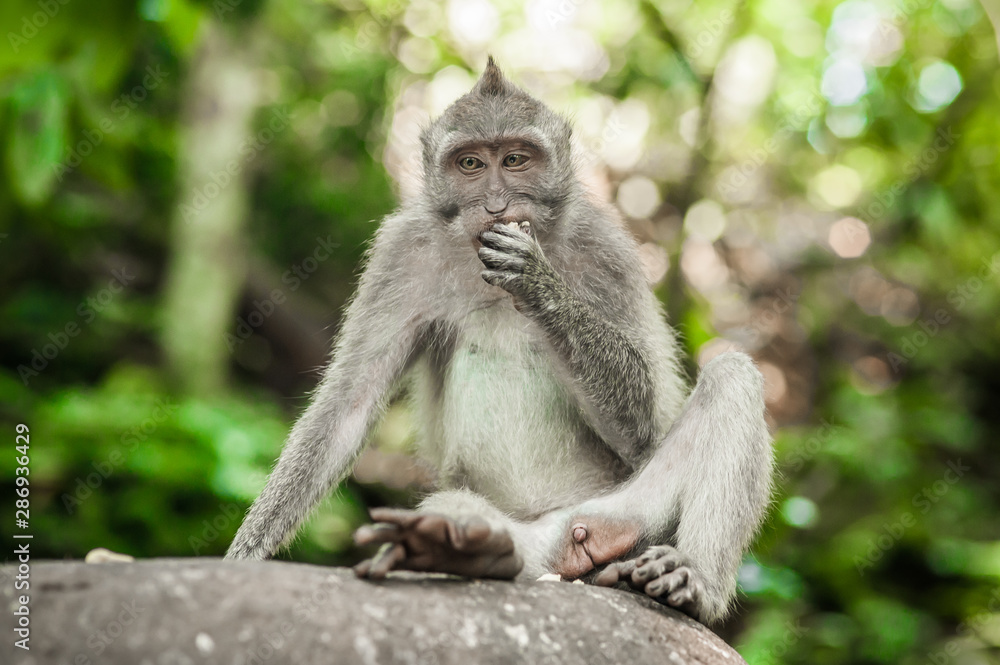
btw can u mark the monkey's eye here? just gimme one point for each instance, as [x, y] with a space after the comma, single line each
[469, 163]
[514, 159]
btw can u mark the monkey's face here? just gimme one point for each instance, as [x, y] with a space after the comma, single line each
[497, 182]
[498, 155]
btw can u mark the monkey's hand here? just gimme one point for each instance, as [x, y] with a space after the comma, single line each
[430, 542]
[662, 573]
[514, 261]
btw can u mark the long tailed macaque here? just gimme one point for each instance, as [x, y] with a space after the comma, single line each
[545, 380]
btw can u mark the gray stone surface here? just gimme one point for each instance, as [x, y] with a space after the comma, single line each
[180, 611]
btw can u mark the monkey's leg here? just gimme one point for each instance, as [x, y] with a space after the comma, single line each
[702, 495]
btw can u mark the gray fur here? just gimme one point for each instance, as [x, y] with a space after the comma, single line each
[572, 402]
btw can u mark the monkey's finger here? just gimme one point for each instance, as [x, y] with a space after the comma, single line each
[509, 229]
[380, 532]
[388, 556]
[491, 258]
[506, 240]
[504, 280]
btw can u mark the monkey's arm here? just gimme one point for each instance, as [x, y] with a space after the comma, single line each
[380, 333]
[611, 373]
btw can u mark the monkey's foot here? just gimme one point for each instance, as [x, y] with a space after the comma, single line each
[662, 573]
[430, 542]
[594, 541]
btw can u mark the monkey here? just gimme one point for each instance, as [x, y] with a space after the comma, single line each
[545, 378]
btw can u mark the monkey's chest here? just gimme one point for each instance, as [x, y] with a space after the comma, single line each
[511, 430]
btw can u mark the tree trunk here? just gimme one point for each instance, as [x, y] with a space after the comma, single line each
[208, 268]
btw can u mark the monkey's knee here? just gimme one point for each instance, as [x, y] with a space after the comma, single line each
[731, 369]
[730, 387]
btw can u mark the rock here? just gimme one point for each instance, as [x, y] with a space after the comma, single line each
[104, 555]
[186, 611]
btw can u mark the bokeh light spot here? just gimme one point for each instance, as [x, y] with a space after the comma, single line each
[849, 237]
[800, 512]
[705, 220]
[844, 82]
[939, 83]
[638, 197]
[839, 186]
[473, 22]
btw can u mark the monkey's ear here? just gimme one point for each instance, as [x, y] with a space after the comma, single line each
[427, 149]
[492, 83]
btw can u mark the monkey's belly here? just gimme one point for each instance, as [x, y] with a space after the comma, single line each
[513, 433]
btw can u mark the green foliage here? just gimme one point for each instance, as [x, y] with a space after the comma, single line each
[37, 135]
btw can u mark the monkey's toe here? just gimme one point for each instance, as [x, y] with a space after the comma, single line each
[387, 558]
[669, 582]
[434, 527]
[688, 596]
[399, 516]
[380, 532]
[656, 562]
[663, 573]
[615, 572]
[475, 535]
[468, 535]
[681, 589]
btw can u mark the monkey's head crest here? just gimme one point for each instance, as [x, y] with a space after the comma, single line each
[492, 83]
[495, 109]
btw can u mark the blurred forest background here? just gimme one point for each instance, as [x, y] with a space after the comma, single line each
[187, 188]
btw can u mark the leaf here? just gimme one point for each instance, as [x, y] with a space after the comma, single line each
[38, 135]
[181, 24]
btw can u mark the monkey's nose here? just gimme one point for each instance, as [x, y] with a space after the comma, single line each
[495, 206]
